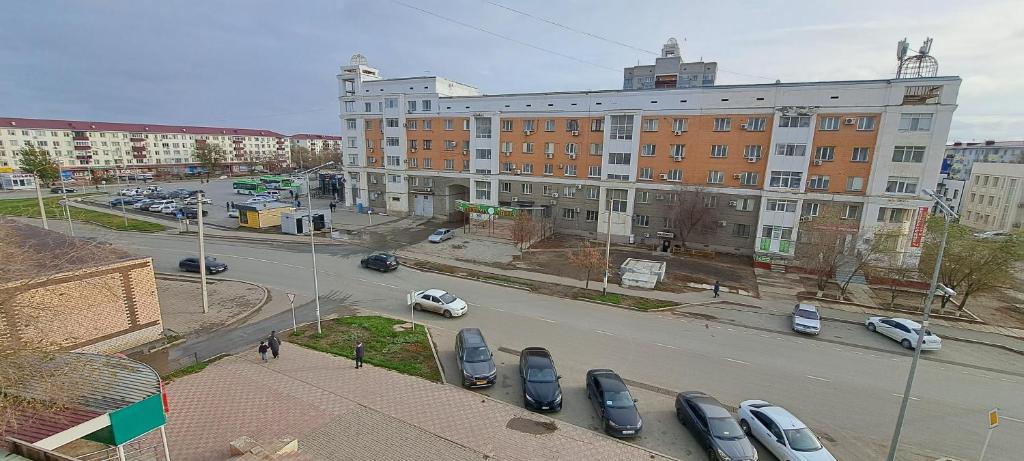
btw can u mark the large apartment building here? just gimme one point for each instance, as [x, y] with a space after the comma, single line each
[669, 71]
[994, 197]
[316, 142]
[767, 160]
[960, 156]
[87, 149]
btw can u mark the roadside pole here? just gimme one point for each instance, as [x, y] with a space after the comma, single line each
[312, 250]
[64, 192]
[121, 198]
[42, 210]
[291, 300]
[607, 251]
[202, 253]
[993, 421]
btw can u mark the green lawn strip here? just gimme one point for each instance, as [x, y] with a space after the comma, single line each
[625, 300]
[29, 208]
[405, 351]
[191, 369]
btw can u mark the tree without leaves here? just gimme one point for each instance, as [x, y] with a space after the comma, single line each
[588, 258]
[302, 157]
[38, 161]
[892, 267]
[330, 154]
[689, 216]
[210, 156]
[863, 257]
[524, 230]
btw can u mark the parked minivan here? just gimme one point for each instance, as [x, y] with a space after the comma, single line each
[476, 362]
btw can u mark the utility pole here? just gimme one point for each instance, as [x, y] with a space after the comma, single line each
[67, 205]
[121, 198]
[42, 209]
[202, 252]
[312, 241]
[607, 249]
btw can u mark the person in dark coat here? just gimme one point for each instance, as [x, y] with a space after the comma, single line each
[333, 206]
[718, 287]
[359, 354]
[275, 344]
[263, 350]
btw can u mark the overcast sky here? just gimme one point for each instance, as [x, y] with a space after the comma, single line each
[272, 64]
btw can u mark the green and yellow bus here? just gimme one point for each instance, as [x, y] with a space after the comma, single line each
[277, 182]
[248, 187]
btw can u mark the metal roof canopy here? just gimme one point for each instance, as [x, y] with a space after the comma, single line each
[110, 399]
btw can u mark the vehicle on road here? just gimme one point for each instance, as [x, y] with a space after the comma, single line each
[193, 212]
[714, 428]
[380, 261]
[260, 199]
[441, 235]
[992, 235]
[541, 390]
[155, 206]
[195, 201]
[232, 213]
[129, 192]
[212, 265]
[613, 403]
[903, 331]
[780, 432]
[806, 319]
[248, 186]
[439, 301]
[143, 204]
[476, 362]
[62, 189]
[170, 208]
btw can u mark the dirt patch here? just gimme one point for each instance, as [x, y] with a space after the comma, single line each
[696, 315]
[531, 426]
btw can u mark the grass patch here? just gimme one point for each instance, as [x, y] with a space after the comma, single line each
[611, 298]
[406, 351]
[508, 280]
[478, 275]
[625, 300]
[29, 208]
[191, 369]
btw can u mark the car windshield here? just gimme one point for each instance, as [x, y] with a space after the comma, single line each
[477, 354]
[725, 428]
[802, 440]
[804, 313]
[438, 232]
[540, 375]
[447, 298]
[619, 399]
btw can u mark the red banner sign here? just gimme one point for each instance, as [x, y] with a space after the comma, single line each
[922, 218]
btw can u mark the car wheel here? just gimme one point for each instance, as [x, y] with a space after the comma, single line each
[679, 416]
[447, 314]
[871, 327]
[906, 344]
[712, 455]
[363, 263]
[417, 306]
[745, 426]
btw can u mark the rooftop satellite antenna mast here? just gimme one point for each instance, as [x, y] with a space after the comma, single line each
[922, 64]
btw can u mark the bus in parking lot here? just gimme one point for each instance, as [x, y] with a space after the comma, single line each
[248, 187]
[274, 182]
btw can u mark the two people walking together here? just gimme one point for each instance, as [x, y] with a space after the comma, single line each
[273, 344]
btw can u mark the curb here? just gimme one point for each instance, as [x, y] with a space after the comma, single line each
[620, 306]
[433, 351]
[475, 279]
[903, 311]
[238, 318]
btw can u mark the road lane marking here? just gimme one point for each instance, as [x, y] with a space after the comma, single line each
[495, 308]
[385, 285]
[546, 320]
[737, 361]
[819, 379]
[901, 396]
[665, 345]
[605, 332]
[730, 329]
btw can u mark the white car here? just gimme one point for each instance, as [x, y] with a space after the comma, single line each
[439, 301]
[441, 235]
[806, 319]
[260, 199]
[169, 208]
[233, 213]
[155, 206]
[903, 331]
[781, 432]
[193, 201]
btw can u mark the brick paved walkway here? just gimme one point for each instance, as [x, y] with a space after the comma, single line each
[340, 413]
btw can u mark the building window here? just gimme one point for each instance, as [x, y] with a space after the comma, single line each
[549, 169]
[465, 124]
[594, 171]
[908, 154]
[788, 206]
[741, 230]
[648, 150]
[710, 201]
[617, 177]
[506, 187]
[572, 125]
[901, 185]
[642, 220]
[593, 193]
[643, 196]
[818, 182]
[426, 105]
[597, 124]
[791, 150]
[350, 124]
[414, 163]
[865, 123]
[506, 147]
[786, 179]
[449, 124]
[449, 145]
[915, 122]
[674, 175]
[427, 124]
[391, 103]
[723, 124]
[391, 141]
[596, 148]
[506, 125]
[752, 153]
[617, 199]
[483, 154]
[619, 158]
[449, 164]
[529, 126]
[646, 174]
[851, 212]
[526, 188]
[394, 179]
[716, 177]
[591, 215]
[748, 178]
[369, 107]
[527, 148]
[825, 153]
[893, 215]
[570, 170]
[507, 167]
[351, 141]
[860, 154]
[549, 125]
[571, 148]
[391, 122]
[483, 127]
[854, 183]
[428, 163]
[650, 124]
[810, 210]
[719, 150]
[795, 121]
[527, 168]
[569, 214]
[621, 127]
[428, 144]
[483, 190]
[549, 148]
[830, 123]
[756, 124]
[394, 160]
[350, 106]
[412, 106]
[569, 191]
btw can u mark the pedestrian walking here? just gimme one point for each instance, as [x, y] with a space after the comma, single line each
[298, 203]
[263, 350]
[718, 287]
[275, 344]
[359, 354]
[333, 206]
[227, 206]
[291, 193]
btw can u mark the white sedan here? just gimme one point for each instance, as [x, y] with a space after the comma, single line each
[903, 331]
[195, 201]
[781, 432]
[439, 301]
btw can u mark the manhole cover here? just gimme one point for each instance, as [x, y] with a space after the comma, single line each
[531, 426]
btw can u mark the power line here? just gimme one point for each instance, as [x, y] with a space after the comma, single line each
[504, 37]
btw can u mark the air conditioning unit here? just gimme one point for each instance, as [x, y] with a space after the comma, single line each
[508, 154]
[517, 172]
[465, 151]
[412, 149]
[817, 163]
[572, 156]
[849, 121]
[515, 199]
[575, 133]
[428, 189]
[554, 195]
[370, 148]
[805, 218]
[732, 203]
[744, 126]
[577, 209]
[751, 159]
[677, 158]
[647, 235]
[663, 176]
[722, 223]
[549, 155]
[737, 176]
[678, 132]
[527, 132]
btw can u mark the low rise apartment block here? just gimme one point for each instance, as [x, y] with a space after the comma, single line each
[994, 198]
[767, 161]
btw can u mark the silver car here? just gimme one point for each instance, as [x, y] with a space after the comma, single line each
[806, 319]
[439, 301]
[441, 235]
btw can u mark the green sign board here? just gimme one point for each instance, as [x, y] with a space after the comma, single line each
[492, 210]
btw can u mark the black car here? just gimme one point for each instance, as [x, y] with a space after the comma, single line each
[62, 190]
[212, 265]
[476, 362]
[380, 261]
[613, 403]
[192, 212]
[541, 390]
[713, 427]
[123, 201]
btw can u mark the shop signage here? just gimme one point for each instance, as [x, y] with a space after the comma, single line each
[467, 207]
[919, 227]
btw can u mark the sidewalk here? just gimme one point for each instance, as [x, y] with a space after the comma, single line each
[339, 413]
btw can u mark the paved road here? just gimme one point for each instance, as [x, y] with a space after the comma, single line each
[846, 388]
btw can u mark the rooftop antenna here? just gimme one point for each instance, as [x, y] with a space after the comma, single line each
[919, 65]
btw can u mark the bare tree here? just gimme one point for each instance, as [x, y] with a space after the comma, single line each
[587, 257]
[524, 230]
[302, 157]
[691, 213]
[891, 266]
[210, 156]
[863, 256]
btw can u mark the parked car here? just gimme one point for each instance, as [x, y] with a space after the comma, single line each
[143, 204]
[476, 362]
[992, 235]
[541, 390]
[129, 192]
[62, 189]
[193, 212]
[170, 208]
[212, 265]
[123, 201]
[380, 261]
[904, 331]
[806, 319]
[232, 213]
[155, 206]
[780, 432]
[613, 403]
[713, 427]
[441, 235]
[195, 200]
[259, 199]
[439, 301]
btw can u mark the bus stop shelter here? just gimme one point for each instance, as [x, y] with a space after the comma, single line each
[108, 399]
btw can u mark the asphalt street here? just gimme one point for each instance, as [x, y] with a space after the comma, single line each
[846, 385]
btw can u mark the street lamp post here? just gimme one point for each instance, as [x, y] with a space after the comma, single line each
[39, 196]
[948, 216]
[607, 250]
[312, 240]
[64, 192]
[202, 252]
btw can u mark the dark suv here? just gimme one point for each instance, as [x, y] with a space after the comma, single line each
[541, 390]
[380, 261]
[476, 362]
